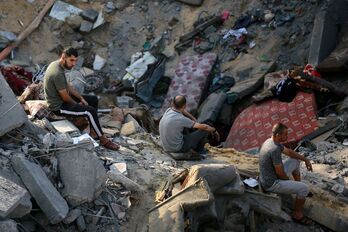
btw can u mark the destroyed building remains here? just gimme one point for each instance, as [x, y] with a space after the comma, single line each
[230, 59]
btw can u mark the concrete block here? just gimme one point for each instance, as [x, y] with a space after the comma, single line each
[10, 196]
[42, 190]
[8, 226]
[24, 206]
[89, 15]
[86, 26]
[72, 216]
[12, 114]
[131, 126]
[82, 174]
[81, 224]
[60, 10]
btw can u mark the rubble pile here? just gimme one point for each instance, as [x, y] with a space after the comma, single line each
[231, 59]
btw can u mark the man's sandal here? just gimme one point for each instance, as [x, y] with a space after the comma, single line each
[303, 220]
[110, 145]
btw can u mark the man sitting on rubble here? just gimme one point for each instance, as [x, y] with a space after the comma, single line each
[63, 99]
[173, 124]
[275, 174]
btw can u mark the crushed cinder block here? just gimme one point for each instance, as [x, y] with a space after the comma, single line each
[41, 189]
[82, 174]
[12, 114]
[89, 15]
[8, 226]
[86, 26]
[11, 195]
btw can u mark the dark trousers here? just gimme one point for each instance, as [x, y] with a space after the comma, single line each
[194, 140]
[78, 110]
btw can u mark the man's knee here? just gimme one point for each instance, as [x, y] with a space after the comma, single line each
[303, 190]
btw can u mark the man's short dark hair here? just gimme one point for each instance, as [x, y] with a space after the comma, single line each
[179, 101]
[70, 51]
[279, 129]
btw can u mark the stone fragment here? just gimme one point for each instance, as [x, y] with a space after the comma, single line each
[173, 21]
[124, 101]
[24, 207]
[99, 62]
[81, 224]
[122, 4]
[86, 26]
[61, 10]
[72, 216]
[6, 37]
[12, 114]
[89, 15]
[99, 21]
[119, 168]
[11, 195]
[82, 174]
[109, 7]
[74, 21]
[8, 226]
[39, 186]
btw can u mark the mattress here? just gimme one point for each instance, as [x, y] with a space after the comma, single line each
[191, 80]
[254, 124]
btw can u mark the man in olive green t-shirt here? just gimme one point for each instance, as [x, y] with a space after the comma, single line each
[63, 99]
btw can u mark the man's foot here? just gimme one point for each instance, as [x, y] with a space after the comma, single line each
[303, 220]
[109, 144]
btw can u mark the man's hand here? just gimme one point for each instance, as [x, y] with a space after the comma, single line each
[83, 102]
[308, 165]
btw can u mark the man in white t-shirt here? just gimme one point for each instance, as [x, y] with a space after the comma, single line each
[173, 123]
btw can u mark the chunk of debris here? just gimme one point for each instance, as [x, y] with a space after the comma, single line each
[99, 62]
[8, 226]
[192, 2]
[6, 37]
[11, 195]
[131, 126]
[86, 26]
[89, 15]
[12, 114]
[82, 174]
[72, 216]
[39, 186]
[61, 10]
[74, 21]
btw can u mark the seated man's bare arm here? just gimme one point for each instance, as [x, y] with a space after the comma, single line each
[293, 154]
[66, 97]
[190, 116]
[279, 169]
[205, 127]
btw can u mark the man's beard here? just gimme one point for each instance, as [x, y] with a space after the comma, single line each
[66, 66]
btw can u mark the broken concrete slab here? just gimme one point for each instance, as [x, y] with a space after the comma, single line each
[40, 187]
[11, 195]
[89, 15]
[125, 181]
[82, 173]
[60, 10]
[169, 215]
[8, 226]
[328, 22]
[24, 206]
[12, 114]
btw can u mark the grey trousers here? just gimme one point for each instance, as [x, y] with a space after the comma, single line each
[194, 140]
[290, 186]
